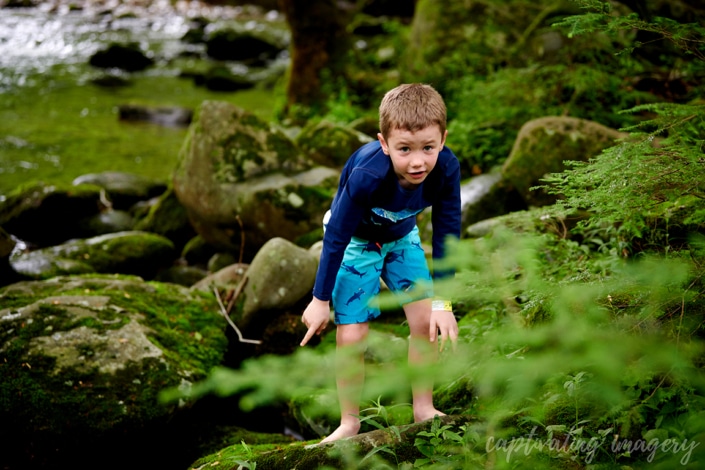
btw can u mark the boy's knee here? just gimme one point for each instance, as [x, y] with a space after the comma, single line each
[352, 333]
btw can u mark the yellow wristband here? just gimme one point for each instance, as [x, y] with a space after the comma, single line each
[444, 305]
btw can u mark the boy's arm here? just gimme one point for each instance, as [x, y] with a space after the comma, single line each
[446, 222]
[446, 211]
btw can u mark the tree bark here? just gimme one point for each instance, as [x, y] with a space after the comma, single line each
[319, 44]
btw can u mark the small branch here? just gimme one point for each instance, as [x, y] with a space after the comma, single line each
[227, 317]
[236, 294]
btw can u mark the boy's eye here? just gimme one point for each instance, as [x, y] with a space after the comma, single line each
[428, 148]
[404, 149]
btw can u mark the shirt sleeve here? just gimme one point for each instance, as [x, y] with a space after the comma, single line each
[346, 213]
[446, 215]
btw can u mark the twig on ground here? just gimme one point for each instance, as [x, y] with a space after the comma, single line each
[227, 317]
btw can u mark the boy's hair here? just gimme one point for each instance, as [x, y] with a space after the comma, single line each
[411, 107]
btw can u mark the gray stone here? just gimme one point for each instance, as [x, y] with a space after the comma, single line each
[243, 182]
[132, 252]
[88, 357]
[279, 276]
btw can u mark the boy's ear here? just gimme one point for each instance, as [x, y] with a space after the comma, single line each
[443, 140]
[385, 147]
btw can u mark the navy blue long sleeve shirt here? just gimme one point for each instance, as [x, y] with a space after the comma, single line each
[370, 204]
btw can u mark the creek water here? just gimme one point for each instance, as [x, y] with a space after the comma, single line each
[33, 40]
[56, 123]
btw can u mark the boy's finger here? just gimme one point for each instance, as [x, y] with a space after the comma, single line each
[309, 335]
[444, 338]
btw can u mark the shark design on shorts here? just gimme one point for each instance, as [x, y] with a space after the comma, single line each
[353, 270]
[393, 256]
[356, 296]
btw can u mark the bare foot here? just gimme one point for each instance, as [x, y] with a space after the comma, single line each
[343, 431]
[423, 415]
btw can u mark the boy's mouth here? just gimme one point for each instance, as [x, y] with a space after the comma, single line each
[417, 174]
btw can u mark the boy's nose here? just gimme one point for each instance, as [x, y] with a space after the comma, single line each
[416, 160]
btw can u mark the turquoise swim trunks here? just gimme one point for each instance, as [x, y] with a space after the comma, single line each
[402, 266]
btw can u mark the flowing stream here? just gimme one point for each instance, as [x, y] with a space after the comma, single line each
[55, 124]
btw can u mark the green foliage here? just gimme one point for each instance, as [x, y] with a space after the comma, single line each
[689, 38]
[637, 190]
[437, 445]
[482, 131]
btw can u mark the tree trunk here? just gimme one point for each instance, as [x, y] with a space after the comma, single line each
[319, 44]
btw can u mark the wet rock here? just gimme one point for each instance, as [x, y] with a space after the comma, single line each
[127, 57]
[543, 145]
[83, 363]
[250, 46]
[139, 253]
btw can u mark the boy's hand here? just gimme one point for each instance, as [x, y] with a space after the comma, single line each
[445, 322]
[315, 317]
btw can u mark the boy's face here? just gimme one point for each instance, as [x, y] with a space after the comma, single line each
[413, 154]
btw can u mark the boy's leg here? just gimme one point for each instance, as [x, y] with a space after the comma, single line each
[350, 371]
[422, 352]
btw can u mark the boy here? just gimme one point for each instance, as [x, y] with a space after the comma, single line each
[372, 233]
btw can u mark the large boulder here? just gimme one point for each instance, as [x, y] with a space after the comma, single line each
[83, 361]
[243, 182]
[542, 147]
[134, 252]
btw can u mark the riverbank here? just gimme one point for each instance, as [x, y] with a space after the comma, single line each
[58, 122]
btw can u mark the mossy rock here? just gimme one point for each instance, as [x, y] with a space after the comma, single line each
[168, 217]
[542, 147]
[243, 182]
[330, 144]
[84, 358]
[134, 252]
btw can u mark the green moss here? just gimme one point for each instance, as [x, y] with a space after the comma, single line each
[239, 150]
[186, 324]
[57, 129]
